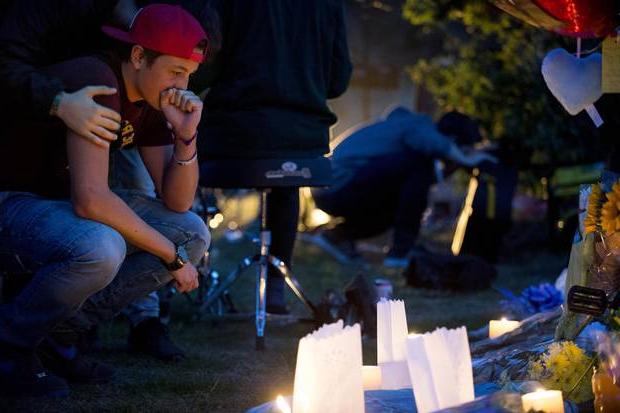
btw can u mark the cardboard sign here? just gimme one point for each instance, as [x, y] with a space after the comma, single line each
[610, 82]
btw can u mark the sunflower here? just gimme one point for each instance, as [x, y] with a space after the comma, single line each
[592, 222]
[610, 212]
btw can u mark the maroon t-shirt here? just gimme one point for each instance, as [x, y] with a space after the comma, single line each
[34, 158]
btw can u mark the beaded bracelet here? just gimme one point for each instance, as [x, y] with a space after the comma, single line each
[187, 162]
[188, 141]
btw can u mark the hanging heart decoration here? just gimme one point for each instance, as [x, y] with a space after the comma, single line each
[576, 83]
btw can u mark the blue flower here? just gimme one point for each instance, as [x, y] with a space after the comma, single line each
[533, 299]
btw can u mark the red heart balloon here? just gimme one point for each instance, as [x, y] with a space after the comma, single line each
[577, 18]
[583, 18]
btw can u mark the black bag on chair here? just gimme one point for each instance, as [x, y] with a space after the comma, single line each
[448, 272]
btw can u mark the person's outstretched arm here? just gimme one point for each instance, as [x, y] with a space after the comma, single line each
[471, 158]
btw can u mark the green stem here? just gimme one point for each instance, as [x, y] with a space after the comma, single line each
[578, 382]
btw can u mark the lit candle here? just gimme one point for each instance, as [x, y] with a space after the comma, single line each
[282, 404]
[548, 401]
[499, 327]
[371, 377]
[391, 342]
[328, 374]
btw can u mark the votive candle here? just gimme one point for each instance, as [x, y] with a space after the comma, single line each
[503, 326]
[371, 377]
[548, 401]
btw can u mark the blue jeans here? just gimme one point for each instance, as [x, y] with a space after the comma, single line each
[127, 171]
[84, 271]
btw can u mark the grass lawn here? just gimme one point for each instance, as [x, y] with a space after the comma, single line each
[223, 372]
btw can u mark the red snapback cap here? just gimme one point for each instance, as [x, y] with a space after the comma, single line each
[165, 29]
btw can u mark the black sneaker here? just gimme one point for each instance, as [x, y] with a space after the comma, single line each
[151, 337]
[23, 375]
[66, 362]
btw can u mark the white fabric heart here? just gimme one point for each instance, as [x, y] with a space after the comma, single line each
[575, 82]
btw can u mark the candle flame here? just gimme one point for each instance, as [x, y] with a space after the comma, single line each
[505, 320]
[282, 404]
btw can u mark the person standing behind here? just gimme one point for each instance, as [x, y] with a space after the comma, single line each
[34, 34]
[279, 63]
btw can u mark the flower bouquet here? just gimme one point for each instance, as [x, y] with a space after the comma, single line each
[595, 256]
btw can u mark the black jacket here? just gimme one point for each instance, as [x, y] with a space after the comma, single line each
[35, 34]
[280, 61]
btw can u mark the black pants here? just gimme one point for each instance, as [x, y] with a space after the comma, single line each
[386, 192]
[282, 217]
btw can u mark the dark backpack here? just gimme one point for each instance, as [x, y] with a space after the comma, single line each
[447, 272]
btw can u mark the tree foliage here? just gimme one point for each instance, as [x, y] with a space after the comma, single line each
[489, 67]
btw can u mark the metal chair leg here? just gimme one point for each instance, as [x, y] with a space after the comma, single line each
[292, 282]
[225, 285]
[261, 296]
[263, 260]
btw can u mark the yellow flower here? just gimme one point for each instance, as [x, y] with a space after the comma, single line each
[592, 222]
[560, 367]
[610, 212]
